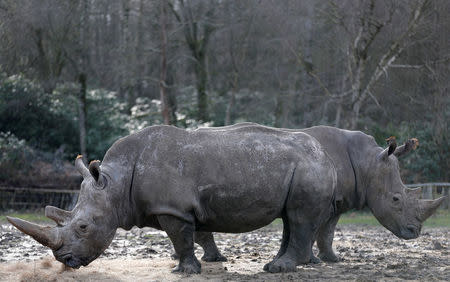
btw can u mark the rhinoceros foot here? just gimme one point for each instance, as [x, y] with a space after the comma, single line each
[314, 259]
[175, 256]
[280, 265]
[188, 266]
[329, 257]
[213, 257]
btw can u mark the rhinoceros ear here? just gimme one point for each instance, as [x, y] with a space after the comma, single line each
[81, 167]
[409, 145]
[94, 169]
[389, 150]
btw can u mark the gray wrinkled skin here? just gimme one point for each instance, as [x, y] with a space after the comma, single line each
[185, 182]
[367, 176]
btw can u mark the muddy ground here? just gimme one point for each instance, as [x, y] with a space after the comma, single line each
[369, 254]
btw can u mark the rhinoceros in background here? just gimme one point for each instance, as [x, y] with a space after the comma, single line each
[182, 181]
[367, 176]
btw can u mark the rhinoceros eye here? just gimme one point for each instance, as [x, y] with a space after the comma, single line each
[83, 227]
[395, 199]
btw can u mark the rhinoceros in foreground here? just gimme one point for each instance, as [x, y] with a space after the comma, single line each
[183, 182]
[367, 176]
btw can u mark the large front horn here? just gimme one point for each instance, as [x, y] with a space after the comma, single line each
[81, 167]
[428, 207]
[46, 235]
[404, 149]
[61, 217]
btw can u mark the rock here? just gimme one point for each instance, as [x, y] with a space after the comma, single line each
[437, 245]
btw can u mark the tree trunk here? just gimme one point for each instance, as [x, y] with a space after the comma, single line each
[82, 114]
[126, 59]
[279, 110]
[202, 98]
[355, 115]
[163, 66]
[230, 106]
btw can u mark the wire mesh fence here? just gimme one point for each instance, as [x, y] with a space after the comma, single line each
[30, 198]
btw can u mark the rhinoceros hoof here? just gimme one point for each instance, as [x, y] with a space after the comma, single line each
[315, 260]
[280, 266]
[191, 268]
[175, 256]
[329, 257]
[214, 258]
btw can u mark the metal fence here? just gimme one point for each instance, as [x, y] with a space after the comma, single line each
[434, 190]
[30, 198]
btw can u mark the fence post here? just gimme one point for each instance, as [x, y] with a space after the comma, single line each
[427, 192]
[446, 203]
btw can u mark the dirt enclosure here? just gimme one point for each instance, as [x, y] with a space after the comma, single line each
[369, 254]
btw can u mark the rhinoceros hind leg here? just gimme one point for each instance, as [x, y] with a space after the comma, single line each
[206, 241]
[298, 249]
[314, 259]
[181, 233]
[284, 243]
[175, 256]
[330, 257]
[325, 240]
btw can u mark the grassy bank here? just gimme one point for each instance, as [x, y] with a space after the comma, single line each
[30, 216]
[440, 219]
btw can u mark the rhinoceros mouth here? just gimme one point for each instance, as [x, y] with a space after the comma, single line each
[410, 232]
[69, 260]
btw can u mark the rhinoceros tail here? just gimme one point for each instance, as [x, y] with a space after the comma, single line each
[199, 209]
[200, 213]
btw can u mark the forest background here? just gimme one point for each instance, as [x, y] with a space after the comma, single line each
[75, 75]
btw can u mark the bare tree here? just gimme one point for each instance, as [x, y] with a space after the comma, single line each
[163, 66]
[197, 34]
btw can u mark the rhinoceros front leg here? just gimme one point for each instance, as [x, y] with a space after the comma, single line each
[325, 237]
[181, 233]
[206, 241]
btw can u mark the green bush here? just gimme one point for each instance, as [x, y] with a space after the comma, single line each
[26, 111]
[429, 162]
[14, 157]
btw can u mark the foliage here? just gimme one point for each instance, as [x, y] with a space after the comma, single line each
[105, 121]
[15, 155]
[429, 162]
[144, 113]
[381, 67]
[27, 111]
[147, 112]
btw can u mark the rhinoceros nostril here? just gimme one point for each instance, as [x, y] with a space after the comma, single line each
[68, 260]
[412, 229]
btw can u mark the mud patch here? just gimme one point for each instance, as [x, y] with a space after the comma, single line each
[368, 254]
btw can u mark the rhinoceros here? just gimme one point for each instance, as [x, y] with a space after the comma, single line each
[367, 176]
[183, 182]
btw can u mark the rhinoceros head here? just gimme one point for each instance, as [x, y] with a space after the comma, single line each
[82, 234]
[396, 207]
